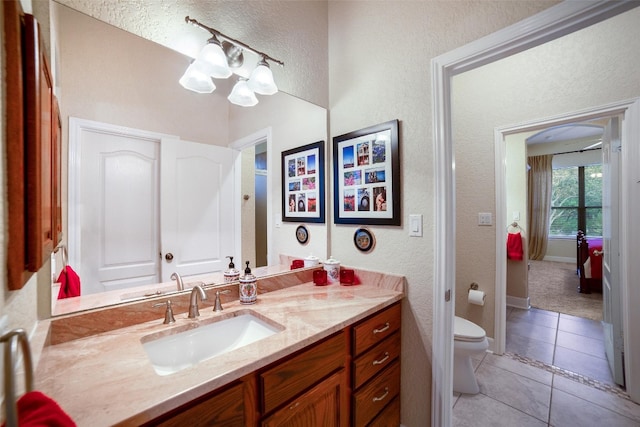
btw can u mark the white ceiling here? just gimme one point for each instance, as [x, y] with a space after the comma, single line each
[590, 133]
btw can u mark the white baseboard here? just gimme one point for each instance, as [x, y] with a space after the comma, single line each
[517, 302]
[560, 259]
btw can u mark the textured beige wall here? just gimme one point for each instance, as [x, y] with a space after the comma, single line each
[379, 56]
[593, 67]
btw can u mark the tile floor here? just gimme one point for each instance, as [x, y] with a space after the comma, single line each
[554, 373]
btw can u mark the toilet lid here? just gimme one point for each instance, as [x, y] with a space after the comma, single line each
[466, 330]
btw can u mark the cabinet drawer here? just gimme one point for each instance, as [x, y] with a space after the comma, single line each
[390, 416]
[376, 359]
[372, 398]
[293, 376]
[373, 330]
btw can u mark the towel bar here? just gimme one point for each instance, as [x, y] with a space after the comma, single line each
[11, 339]
[61, 247]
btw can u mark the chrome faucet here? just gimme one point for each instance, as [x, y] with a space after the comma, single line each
[176, 276]
[193, 303]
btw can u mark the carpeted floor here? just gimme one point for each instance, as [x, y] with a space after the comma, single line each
[553, 286]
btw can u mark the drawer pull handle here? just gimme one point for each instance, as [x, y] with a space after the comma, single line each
[381, 361]
[386, 392]
[294, 406]
[383, 329]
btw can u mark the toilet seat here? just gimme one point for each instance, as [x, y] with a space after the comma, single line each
[464, 330]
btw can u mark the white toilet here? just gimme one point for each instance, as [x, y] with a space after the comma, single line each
[469, 340]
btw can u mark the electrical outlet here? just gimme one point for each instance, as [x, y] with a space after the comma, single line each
[484, 218]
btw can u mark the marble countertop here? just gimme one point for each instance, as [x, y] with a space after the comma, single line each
[106, 378]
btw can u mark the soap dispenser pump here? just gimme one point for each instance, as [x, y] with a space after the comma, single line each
[248, 287]
[232, 274]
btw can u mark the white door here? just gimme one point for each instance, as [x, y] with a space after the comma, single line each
[611, 289]
[197, 219]
[117, 210]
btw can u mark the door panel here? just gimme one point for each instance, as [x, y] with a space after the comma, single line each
[119, 214]
[197, 219]
[611, 304]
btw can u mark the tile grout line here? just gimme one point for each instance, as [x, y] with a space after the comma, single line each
[582, 379]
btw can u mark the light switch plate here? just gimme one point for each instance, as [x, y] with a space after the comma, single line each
[484, 218]
[415, 225]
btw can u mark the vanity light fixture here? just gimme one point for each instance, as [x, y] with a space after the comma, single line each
[216, 60]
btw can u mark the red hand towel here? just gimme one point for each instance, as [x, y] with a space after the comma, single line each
[38, 410]
[69, 283]
[514, 247]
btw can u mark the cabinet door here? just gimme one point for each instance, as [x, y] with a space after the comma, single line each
[323, 405]
[17, 273]
[38, 148]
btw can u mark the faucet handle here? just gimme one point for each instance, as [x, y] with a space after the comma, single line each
[218, 304]
[168, 314]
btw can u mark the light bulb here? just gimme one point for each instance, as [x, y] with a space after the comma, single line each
[242, 95]
[261, 80]
[196, 80]
[213, 60]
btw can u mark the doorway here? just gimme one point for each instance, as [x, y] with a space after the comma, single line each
[609, 118]
[547, 319]
[550, 25]
[252, 157]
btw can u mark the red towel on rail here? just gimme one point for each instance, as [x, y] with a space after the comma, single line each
[69, 283]
[38, 410]
[514, 246]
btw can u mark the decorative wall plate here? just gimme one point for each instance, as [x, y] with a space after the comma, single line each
[363, 239]
[302, 234]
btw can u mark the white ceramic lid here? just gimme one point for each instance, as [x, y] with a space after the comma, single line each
[331, 260]
[312, 258]
[464, 329]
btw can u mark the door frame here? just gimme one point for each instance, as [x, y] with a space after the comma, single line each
[550, 24]
[262, 135]
[629, 122]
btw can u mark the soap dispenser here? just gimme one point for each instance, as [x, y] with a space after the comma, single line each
[248, 287]
[232, 274]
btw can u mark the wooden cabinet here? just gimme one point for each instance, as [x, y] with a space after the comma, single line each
[227, 407]
[349, 378]
[309, 386]
[376, 369]
[31, 126]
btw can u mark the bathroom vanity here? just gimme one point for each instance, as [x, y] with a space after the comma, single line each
[335, 361]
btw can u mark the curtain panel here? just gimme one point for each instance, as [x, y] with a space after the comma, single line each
[539, 180]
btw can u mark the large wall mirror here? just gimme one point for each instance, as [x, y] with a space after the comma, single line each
[117, 88]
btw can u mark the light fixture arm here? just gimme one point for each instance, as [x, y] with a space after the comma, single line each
[231, 40]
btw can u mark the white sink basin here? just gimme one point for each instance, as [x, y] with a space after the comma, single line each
[178, 348]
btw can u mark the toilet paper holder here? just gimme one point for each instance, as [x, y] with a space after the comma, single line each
[474, 286]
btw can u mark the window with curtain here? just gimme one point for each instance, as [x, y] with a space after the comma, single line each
[576, 201]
